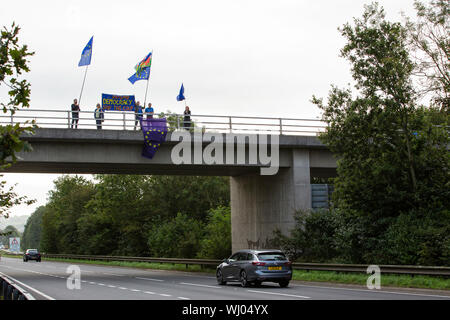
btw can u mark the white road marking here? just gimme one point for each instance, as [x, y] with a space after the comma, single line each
[165, 295]
[149, 292]
[376, 291]
[200, 285]
[135, 290]
[123, 288]
[113, 274]
[149, 279]
[183, 298]
[31, 288]
[279, 294]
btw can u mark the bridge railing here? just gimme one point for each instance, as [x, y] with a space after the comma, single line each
[117, 120]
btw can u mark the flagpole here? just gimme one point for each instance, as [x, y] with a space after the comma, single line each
[82, 87]
[148, 80]
[145, 99]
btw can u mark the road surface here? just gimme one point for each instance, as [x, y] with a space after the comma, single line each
[48, 280]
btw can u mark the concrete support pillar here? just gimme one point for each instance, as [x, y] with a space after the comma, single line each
[262, 204]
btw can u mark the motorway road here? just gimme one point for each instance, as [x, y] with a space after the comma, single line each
[48, 281]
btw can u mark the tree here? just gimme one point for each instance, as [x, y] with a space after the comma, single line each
[177, 238]
[380, 138]
[67, 202]
[31, 237]
[9, 231]
[216, 243]
[392, 153]
[429, 40]
[13, 62]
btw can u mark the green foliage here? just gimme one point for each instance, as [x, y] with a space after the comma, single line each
[392, 153]
[418, 237]
[31, 237]
[177, 238]
[13, 62]
[312, 239]
[116, 214]
[216, 243]
[66, 204]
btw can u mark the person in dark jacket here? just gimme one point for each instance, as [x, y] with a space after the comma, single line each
[187, 118]
[99, 116]
[75, 114]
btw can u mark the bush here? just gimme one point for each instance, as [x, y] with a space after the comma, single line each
[217, 241]
[176, 238]
[417, 238]
[313, 237]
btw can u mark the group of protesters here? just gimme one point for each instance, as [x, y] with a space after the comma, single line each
[99, 115]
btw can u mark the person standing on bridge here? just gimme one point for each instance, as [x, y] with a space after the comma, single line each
[187, 118]
[149, 111]
[75, 114]
[99, 116]
[138, 114]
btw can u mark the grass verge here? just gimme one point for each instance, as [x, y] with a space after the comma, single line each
[387, 280]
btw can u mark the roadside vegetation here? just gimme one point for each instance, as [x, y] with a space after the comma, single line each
[390, 133]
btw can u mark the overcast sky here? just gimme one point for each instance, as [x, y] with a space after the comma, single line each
[257, 58]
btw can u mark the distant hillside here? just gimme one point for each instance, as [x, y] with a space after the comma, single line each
[16, 221]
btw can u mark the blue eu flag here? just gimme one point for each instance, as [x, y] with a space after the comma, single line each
[86, 54]
[180, 96]
[145, 73]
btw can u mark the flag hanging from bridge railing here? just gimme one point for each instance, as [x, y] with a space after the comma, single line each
[155, 132]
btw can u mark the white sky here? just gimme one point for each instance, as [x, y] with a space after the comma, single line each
[256, 58]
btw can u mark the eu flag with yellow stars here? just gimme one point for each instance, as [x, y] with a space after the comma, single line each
[155, 132]
[145, 73]
[86, 55]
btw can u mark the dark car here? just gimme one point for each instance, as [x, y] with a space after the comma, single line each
[32, 254]
[255, 267]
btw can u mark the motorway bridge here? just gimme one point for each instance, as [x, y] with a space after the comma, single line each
[241, 148]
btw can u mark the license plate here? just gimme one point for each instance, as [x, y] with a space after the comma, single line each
[274, 268]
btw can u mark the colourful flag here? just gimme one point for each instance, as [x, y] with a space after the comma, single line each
[146, 62]
[86, 55]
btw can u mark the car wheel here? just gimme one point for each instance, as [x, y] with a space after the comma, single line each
[243, 278]
[284, 283]
[219, 277]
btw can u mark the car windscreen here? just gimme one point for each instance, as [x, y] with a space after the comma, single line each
[272, 256]
[32, 251]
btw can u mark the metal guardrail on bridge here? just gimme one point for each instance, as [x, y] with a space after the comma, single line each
[118, 120]
[435, 271]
